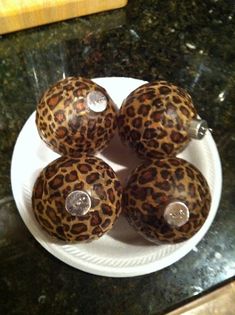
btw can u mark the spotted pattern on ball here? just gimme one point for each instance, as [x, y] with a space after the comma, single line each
[154, 119]
[155, 184]
[65, 175]
[65, 122]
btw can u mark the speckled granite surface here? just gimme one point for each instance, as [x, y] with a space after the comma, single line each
[188, 42]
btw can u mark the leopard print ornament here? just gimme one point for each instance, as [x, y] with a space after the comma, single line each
[167, 201]
[75, 116]
[158, 119]
[77, 199]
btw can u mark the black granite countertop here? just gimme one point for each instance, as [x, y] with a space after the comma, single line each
[190, 43]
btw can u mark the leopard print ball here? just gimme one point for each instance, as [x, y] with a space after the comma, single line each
[167, 201]
[77, 199]
[76, 115]
[154, 119]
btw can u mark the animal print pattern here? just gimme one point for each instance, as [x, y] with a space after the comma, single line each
[59, 179]
[155, 184]
[154, 119]
[67, 125]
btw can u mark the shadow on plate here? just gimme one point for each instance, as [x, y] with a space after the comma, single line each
[120, 154]
[124, 233]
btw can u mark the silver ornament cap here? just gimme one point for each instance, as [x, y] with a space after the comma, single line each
[97, 101]
[197, 128]
[78, 202]
[176, 214]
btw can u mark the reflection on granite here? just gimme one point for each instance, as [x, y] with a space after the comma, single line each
[188, 43]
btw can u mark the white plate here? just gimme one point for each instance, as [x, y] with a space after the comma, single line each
[121, 252]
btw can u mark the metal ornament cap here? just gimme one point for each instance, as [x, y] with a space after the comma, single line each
[78, 202]
[96, 101]
[176, 214]
[197, 128]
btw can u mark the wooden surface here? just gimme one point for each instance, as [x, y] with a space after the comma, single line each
[20, 14]
[218, 302]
